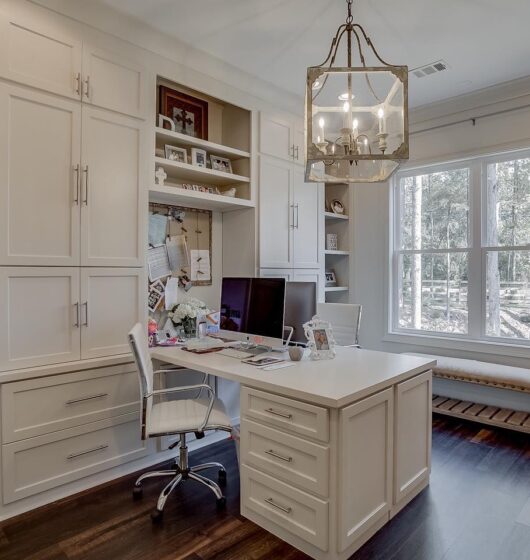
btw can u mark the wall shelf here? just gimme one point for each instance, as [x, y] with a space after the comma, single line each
[327, 252]
[183, 139]
[336, 289]
[333, 216]
[203, 175]
[195, 199]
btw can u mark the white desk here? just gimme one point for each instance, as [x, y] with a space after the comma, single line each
[330, 450]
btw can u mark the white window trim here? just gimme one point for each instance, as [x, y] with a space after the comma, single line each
[476, 339]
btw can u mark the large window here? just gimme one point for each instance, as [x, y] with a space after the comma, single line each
[461, 260]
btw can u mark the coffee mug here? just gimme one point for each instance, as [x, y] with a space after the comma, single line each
[296, 353]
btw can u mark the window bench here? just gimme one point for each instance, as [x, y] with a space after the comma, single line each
[452, 398]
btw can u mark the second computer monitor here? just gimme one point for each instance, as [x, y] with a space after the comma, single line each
[300, 307]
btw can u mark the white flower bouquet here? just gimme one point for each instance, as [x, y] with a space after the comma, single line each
[185, 315]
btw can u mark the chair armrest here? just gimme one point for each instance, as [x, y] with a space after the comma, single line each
[202, 386]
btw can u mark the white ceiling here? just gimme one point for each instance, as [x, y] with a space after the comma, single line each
[485, 42]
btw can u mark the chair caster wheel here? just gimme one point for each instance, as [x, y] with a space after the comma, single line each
[137, 492]
[221, 503]
[221, 475]
[157, 516]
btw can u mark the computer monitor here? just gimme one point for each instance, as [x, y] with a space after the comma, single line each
[252, 310]
[300, 307]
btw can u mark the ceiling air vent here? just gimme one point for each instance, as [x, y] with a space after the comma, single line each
[429, 69]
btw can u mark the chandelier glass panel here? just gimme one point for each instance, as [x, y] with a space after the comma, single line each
[356, 117]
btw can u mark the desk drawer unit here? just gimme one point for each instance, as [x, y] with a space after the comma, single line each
[287, 414]
[290, 458]
[44, 462]
[40, 406]
[291, 510]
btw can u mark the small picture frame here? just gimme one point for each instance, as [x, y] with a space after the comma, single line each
[176, 154]
[156, 295]
[331, 279]
[337, 207]
[198, 157]
[221, 164]
[320, 340]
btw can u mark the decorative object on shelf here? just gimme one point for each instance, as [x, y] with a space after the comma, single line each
[230, 192]
[296, 353]
[331, 242]
[221, 164]
[185, 314]
[176, 154]
[331, 279]
[320, 340]
[156, 295]
[198, 188]
[356, 116]
[160, 152]
[163, 120]
[189, 114]
[198, 157]
[160, 176]
[337, 207]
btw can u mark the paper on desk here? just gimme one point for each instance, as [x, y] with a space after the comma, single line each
[157, 229]
[158, 263]
[177, 251]
[171, 293]
[200, 265]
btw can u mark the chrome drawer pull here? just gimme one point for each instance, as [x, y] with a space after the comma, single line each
[83, 399]
[279, 413]
[98, 448]
[283, 508]
[278, 456]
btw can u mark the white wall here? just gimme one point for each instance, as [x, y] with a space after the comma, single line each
[371, 202]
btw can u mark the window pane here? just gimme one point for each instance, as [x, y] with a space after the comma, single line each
[508, 221]
[435, 210]
[433, 292]
[508, 294]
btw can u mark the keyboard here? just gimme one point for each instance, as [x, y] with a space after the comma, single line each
[234, 353]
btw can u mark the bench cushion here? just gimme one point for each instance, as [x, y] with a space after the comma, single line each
[473, 371]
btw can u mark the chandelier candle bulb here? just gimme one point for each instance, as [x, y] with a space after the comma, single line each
[381, 115]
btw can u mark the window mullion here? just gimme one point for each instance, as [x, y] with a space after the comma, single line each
[475, 270]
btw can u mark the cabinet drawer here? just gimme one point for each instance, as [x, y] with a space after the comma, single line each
[37, 464]
[292, 510]
[287, 457]
[39, 406]
[293, 416]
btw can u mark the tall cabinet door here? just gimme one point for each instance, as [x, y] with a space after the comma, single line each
[113, 82]
[39, 322]
[276, 213]
[111, 303]
[276, 136]
[112, 190]
[39, 52]
[365, 465]
[40, 138]
[306, 230]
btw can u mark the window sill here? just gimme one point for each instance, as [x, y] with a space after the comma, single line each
[454, 343]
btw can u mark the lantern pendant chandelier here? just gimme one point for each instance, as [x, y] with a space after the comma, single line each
[356, 117]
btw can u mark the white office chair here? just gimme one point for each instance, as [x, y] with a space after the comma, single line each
[345, 320]
[162, 418]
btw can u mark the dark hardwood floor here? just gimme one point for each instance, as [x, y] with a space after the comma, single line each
[480, 487]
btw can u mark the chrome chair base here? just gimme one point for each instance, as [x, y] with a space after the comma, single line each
[180, 473]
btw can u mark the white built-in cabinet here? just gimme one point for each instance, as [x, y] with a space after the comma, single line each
[282, 137]
[66, 65]
[290, 216]
[62, 314]
[296, 275]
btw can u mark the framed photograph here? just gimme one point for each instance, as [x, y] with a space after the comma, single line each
[198, 157]
[188, 114]
[155, 296]
[331, 279]
[176, 154]
[320, 340]
[221, 164]
[337, 207]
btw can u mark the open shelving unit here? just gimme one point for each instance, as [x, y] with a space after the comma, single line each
[338, 259]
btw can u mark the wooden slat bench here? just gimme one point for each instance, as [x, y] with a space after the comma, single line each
[482, 373]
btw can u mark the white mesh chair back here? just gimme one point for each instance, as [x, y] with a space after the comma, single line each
[345, 320]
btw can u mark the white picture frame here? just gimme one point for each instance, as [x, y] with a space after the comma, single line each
[173, 153]
[198, 157]
[330, 278]
[320, 340]
[221, 164]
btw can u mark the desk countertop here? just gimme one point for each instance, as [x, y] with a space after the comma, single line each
[352, 375]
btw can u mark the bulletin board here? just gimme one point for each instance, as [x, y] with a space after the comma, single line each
[196, 226]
